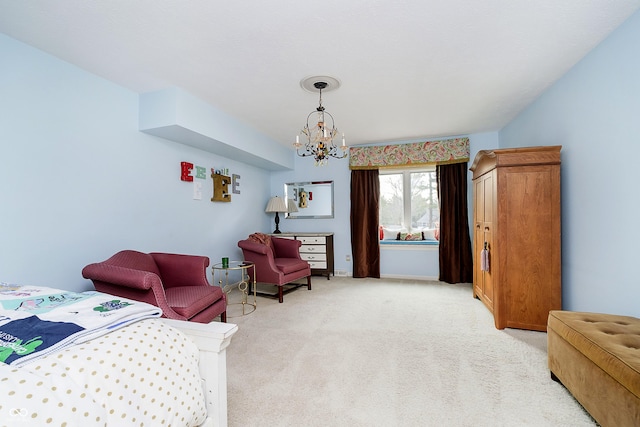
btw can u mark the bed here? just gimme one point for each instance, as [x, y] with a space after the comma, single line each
[113, 369]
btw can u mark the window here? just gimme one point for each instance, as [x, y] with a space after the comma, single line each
[409, 200]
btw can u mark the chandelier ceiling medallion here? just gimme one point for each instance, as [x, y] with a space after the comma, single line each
[320, 130]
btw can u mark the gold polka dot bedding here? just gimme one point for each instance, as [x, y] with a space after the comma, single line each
[145, 374]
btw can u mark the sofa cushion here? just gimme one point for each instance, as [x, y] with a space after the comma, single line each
[612, 342]
[290, 265]
[188, 301]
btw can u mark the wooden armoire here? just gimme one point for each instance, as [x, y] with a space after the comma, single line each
[516, 221]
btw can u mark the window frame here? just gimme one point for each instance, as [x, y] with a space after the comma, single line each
[406, 199]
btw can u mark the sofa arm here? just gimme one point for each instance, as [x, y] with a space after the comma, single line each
[121, 276]
[181, 270]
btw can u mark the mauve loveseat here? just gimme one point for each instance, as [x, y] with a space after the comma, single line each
[174, 282]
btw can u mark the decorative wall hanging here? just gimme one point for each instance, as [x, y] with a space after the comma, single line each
[185, 171]
[220, 188]
[235, 184]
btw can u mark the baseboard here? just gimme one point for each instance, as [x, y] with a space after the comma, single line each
[344, 273]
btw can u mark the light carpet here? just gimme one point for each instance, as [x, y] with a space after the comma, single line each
[379, 352]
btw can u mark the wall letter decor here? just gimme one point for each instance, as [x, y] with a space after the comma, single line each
[235, 184]
[201, 173]
[186, 171]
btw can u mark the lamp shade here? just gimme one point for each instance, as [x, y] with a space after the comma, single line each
[291, 206]
[276, 204]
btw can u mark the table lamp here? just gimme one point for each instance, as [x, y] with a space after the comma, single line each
[276, 204]
[291, 206]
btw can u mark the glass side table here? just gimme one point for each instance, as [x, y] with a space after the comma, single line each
[242, 284]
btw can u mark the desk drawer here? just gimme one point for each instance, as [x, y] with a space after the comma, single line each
[318, 265]
[313, 257]
[313, 249]
[314, 240]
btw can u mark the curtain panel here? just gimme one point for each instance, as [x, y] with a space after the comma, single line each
[365, 246]
[456, 262]
[455, 150]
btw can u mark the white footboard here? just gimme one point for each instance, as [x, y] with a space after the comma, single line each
[212, 339]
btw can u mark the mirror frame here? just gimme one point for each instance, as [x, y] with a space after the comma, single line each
[289, 188]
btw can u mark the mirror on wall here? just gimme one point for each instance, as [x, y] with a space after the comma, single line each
[311, 199]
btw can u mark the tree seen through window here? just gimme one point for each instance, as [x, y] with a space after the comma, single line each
[409, 200]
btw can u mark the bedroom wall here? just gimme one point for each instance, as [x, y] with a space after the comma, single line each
[79, 181]
[593, 112]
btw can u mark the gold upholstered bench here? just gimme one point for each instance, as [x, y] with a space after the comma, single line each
[597, 358]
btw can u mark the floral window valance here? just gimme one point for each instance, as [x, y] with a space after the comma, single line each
[454, 150]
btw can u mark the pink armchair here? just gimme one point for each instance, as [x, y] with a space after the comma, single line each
[176, 283]
[277, 261]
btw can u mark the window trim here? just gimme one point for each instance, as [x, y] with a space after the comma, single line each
[406, 172]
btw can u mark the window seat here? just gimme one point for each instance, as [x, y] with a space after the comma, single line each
[410, 242]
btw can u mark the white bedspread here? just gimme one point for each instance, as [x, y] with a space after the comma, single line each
[145, 374]
[35, 320]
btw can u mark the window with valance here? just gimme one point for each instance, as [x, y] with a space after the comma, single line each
[450, 157]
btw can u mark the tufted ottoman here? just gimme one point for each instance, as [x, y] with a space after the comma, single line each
[597, 358]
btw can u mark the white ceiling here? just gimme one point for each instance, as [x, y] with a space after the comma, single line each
[408, 68]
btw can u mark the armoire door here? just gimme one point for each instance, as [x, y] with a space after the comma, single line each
[483, 235]
[478, 236]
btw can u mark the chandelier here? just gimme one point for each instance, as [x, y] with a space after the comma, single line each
[320, 131]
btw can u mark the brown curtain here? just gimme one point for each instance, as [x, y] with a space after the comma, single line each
[456, 263]
[365, 245]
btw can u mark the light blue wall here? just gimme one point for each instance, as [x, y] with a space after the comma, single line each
[594, 113]
[79, 181]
